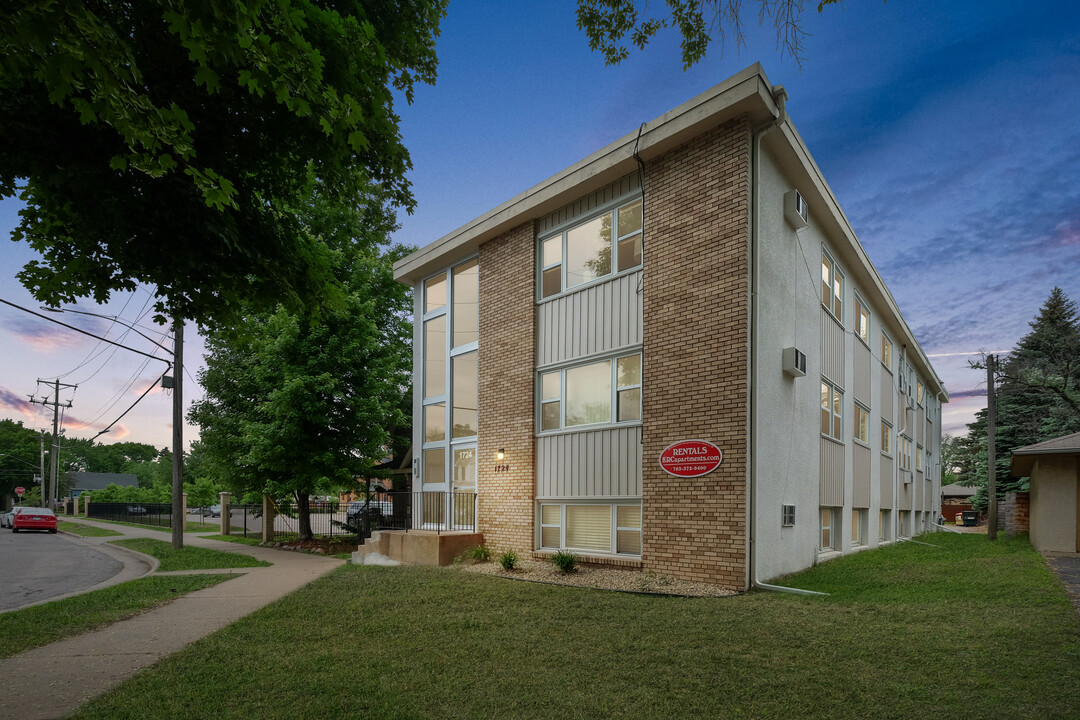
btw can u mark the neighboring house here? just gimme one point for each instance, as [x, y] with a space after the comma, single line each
[955, 499]
[87, 481]
[714, 292]
[1053, 468]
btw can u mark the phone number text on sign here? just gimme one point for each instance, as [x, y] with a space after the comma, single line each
[691, 458]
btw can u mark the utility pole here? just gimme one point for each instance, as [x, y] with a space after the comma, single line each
[991, 455]
[178, 435]
[54, 455]
[41, 477]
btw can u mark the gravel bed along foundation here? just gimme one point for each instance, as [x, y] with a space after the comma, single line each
[599, 577]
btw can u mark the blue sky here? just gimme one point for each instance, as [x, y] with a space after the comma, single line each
[948, 132]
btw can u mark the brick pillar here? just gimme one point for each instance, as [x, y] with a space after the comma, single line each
[507, 360]
[696, 354]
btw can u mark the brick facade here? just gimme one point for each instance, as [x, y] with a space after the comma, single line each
[696, 354]
[1014, 514]
[506, 407]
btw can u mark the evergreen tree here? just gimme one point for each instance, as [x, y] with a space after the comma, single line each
[1038, 397]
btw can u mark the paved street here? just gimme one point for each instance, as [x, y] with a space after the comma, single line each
[36, 566]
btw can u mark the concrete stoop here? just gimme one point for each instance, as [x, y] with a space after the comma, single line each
[415, 547]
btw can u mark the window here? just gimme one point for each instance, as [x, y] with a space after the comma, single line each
[862, 321]
[883, 525]
[599, 392]
[832, 411]
[628, 529]
[589, 528]
[886, 352]
[919, 392]
[787, 516]
[919, 458]
[827, 516]
[905, 453]
[832, 287]
[862, 424]
[886, 438]
[449, 336]
[591, 249]
[858, 527]
[901, 523]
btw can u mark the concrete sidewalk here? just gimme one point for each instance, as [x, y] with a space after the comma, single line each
[52, 681]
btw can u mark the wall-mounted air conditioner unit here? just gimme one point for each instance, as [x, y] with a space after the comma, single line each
[794, 362]
[795, 209]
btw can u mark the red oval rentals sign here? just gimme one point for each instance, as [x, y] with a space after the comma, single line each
[691, 458]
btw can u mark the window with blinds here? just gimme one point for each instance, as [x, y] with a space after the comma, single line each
[588, 527]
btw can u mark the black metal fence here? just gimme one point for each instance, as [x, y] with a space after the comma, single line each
[157, 514]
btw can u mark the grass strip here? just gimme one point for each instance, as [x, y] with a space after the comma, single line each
[85, 530]
[251, 540]
[188, 557]
[964, 629]
[32, 627]
[189, 526]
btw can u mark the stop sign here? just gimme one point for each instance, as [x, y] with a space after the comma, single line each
[20, 490]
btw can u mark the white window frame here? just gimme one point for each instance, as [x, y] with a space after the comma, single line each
[884, 524]
[612, 505]
[862, 329]
[613, 362]
[562, 232]
[449, 443]
[827, 524]
[919, 465]
[836, 422]
[886, 351]
[858, 526]
[855, 426]
[904, 444]
[886, 438]
[835, 306]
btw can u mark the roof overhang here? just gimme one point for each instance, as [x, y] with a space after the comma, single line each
[746, 93]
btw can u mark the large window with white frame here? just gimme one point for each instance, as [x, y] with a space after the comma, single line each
[862, 321]
[832, 287]
[832, 411]
[450, 375]
[604, 391]
[600, 246]
[886, 438]
[587, 527]
[827, 537]
[858, 526]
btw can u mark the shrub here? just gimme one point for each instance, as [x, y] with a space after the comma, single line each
[479, 553]
[508, 560]
[564, 561]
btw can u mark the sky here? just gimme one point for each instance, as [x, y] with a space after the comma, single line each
[949, 133]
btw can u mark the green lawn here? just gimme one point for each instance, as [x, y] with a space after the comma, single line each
[188, 557]
[42, 624]
[961, 629]
[85, 530]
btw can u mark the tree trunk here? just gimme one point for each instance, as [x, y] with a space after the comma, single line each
[303, 514]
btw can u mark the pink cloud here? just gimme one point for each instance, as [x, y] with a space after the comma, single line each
[16, 403]
[1067, 234]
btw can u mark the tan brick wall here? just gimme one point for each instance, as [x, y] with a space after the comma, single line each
[507, 360]
[696, 354]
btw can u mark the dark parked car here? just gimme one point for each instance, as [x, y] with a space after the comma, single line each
[212, 511]
[375, 510]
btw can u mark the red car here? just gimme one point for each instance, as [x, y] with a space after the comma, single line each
[31, 518]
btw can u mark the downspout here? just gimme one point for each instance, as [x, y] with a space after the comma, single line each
[780, 97]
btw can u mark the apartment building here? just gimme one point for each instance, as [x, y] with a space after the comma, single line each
[675, 355]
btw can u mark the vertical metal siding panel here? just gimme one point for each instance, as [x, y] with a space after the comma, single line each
[860, 496]
[832, 474]
[918, 491]
[862, 373]
[886, 482]
[637, 462]
[832, 349]
[888, 397]
[920, 426]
